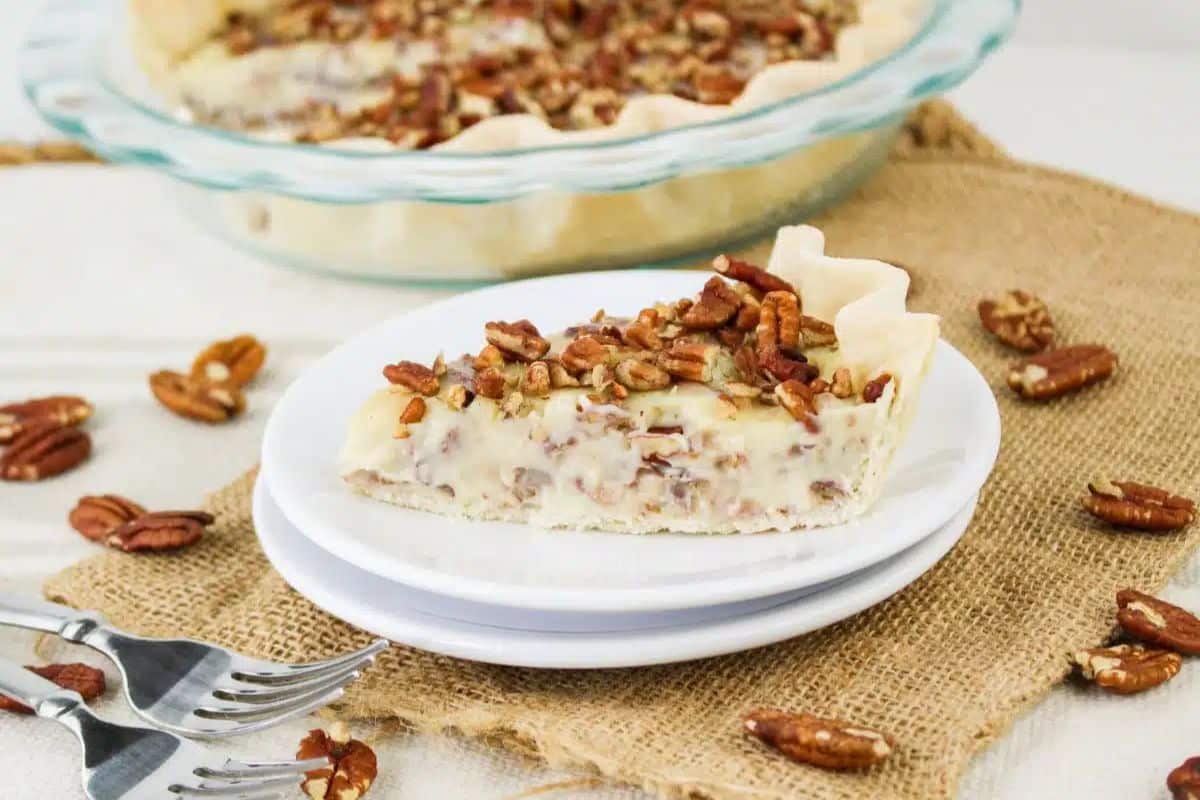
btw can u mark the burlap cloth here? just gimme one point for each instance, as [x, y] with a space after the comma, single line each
[944, 665]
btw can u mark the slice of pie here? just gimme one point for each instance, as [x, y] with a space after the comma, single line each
[417, 73]
[775, 399]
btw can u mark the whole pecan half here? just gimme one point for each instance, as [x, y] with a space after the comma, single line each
[1136, 505]
[798, 399]
[87, 681]
[519, 339]
[413, 376]
[747, 273]
[1058, 372]
[160, 530]
[1127, 668]
[44, 449]
[59, 409]
[352, 764]
[1158, 622]
[1184, 781]
[816, 333]
[690, 360]
[642, 376]
[197, 399]
[717, 304]
[1018, 319]
[235, 361]
[643, 332]
[584, 353]
[779, 321]
[828, 743]
[96, 516]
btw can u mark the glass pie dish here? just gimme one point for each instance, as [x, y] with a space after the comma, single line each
[445, 214]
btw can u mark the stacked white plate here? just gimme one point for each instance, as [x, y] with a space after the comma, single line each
[519, 595]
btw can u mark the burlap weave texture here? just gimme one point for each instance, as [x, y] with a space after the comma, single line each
[944, 665]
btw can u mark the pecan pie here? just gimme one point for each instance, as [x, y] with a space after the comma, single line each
[773, 399]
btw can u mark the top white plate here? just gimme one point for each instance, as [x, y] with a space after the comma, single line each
[949, 453]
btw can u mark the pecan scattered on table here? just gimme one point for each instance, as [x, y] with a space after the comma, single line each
[87, 681]
[235, 361]
[43, 449]
[96, 516]
[160, 530]
[1019, 319]
[828, 743]
[1158, 622]
[59, 409]
[1127, 668]
[352, 764]
[1184, 781]
[1059, 372]
[1136, 505]
[195, 399]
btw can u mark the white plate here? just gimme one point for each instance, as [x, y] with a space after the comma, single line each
[411, 617]
[950, 452]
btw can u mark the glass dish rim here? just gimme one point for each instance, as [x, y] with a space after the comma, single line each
[586, 166]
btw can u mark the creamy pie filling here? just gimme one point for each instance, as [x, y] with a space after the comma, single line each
[734, 411]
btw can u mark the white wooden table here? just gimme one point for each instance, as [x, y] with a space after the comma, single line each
[101, 282]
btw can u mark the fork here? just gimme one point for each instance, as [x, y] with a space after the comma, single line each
[127, 763]
[193, 688]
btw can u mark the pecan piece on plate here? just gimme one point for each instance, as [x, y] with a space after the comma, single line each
[519, 339]
[1158, 622]
[352, 764]
[87, 681]
[413, 376]
[1136, 505]
[197, 399]
[235, 361]
[1184, 781]
[717, 304]
[1127, 668]
[96, 516]
[44, 449]
[59, 409]
[753, 276]
[160, 530]
[1058, 372]
[1018, 319]
[798, 399]
[828, 743]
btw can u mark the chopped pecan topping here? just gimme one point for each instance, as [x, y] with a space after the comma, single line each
[512, 405]
[1127, 668]
[490, 383]
[751, 275]
[536, 382]
[519, 339]
[1136, 505]
[716, 306]
[690, 360]
[642, 376]
[779, 322]
[841, 386]
[1018, 319]
[235, 361]
[1058, 372]
[874, 388]
[798, 399]
[746, 363]
[197, 399]
[160, 530]
[413, 413]
[95, 517]
[459, 397]
[748, 315]
[584, 353]
[44, 449]
[643, 332]
[87, 681]
[413, 376]
[1184, 781]
[559, 377]
[827, 743]
[352, 765]
[489, 356]
[58, 409]
[816, 333]
[1158, 622]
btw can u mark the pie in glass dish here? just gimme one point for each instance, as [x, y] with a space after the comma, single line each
[774, 399]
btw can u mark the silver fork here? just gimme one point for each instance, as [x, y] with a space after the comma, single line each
[127, 763]
[193, 688]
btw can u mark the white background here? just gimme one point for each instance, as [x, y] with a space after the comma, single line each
[101, 282]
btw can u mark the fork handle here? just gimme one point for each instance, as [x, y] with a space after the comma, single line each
[45, 698]
[49, 617]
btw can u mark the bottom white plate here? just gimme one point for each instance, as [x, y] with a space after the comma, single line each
[426, 621]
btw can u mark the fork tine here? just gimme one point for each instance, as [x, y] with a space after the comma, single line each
[297, 672]
[218, 788]
[254, 694]
[238, 770]
[227, 794]
[229, 726]
[235, 710]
